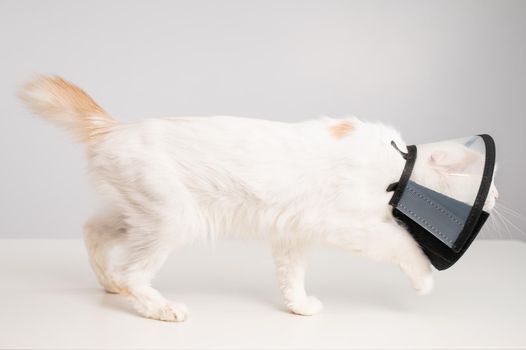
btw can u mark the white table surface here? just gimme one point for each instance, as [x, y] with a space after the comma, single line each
[49, 299]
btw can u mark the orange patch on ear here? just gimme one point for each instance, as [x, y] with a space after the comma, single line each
[341, 129]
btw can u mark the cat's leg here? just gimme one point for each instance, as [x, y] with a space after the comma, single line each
[146, 248]
[290, 261]
[417, 267]
[390, 242]
[412, 260]
[101, 233]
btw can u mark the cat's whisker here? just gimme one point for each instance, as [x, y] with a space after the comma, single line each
[515, 215]
[511, 212]
[507, 207]
[499, 216]
[512, 224]
[495, 226]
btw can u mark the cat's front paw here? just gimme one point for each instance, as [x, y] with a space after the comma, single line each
[426, 285]
[306, 306]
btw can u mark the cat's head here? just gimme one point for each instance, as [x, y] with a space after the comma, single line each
[454, 170]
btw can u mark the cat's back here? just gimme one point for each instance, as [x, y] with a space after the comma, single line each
[244, 137]
[240, 143]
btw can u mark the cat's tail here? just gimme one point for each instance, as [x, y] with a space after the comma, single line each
[67, 106]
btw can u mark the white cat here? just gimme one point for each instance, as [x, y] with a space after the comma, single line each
[169, 182]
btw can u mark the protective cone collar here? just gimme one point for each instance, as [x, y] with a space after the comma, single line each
[441, 195]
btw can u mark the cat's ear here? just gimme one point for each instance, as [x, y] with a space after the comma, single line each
[437, 158]
[445, 162]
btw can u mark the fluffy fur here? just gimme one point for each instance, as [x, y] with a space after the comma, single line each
[170, 182]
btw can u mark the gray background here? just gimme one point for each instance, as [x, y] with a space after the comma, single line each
[435, 70]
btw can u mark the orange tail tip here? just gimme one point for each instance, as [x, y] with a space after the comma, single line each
[67, 106]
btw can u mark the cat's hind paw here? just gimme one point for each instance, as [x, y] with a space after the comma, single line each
[174, 312]
[306, 306]
[170, 312]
